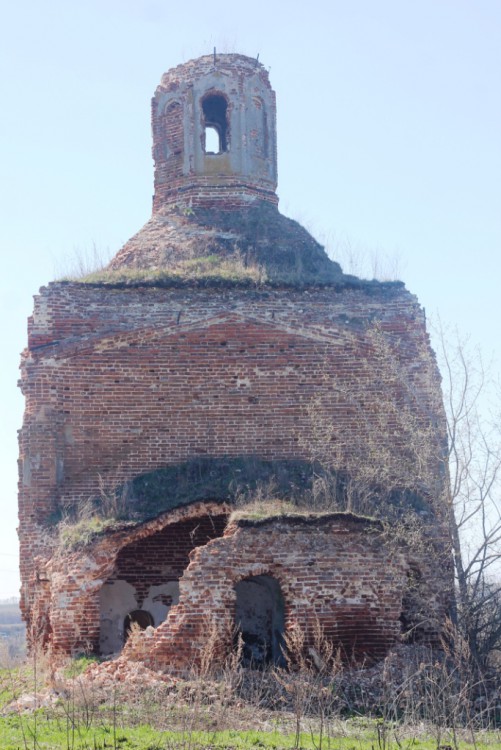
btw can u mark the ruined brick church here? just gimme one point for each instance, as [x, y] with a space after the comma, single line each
[219, 358]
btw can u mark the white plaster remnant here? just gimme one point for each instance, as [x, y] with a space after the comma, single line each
[243, 383]
[116, 599]
[155, 601]
[119, 598]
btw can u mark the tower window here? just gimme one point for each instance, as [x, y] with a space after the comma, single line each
[212, 140]
[214, 109]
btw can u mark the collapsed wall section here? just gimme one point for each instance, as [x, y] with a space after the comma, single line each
[336, 575]
[92, 589]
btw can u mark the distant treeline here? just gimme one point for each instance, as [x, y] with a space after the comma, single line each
[9, 612]
[12, 632]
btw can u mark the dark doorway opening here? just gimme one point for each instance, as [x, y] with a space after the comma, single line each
[260, 619]
[139, 617]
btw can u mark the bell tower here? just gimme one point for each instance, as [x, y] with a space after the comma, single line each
[214, 134]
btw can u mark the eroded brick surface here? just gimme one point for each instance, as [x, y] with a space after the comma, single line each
[333, 569]
[72, 606]
[122, 382]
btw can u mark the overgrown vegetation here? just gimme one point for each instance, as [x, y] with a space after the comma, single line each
[244, 481]
[473, 406]
[393, 460]
[317, 700]
[205, 268]
[83, 530]
[446, 466]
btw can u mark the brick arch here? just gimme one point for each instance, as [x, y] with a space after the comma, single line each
[274, 570]
[169, 103]
[180, 640]
[246, 567]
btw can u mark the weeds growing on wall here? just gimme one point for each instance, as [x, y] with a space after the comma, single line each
[91, 518]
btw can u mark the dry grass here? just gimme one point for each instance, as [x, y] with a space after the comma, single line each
[82, 531]
[317, 702]
[206, 268]
[258, 510]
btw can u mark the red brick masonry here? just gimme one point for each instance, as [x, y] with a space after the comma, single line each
[122, 381]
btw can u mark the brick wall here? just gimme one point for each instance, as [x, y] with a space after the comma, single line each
[120, 382]
[123, 381]
[164, 556]
[334, 571]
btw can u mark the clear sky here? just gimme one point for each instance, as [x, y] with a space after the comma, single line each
[389, 140]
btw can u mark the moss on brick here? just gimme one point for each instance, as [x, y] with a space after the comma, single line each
[217, 479]
[312, 519]
[260, 489]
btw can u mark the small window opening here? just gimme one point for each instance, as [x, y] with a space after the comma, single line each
[212, 140]
[411, 607]
[139, 617]
[215, 124]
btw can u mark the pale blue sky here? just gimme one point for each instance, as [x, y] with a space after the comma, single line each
[389, 138]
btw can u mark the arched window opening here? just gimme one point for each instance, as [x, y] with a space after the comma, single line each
[214, 109]
[260, 620]
[139, 617]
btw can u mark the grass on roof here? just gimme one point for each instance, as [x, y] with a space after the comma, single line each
[206, 268]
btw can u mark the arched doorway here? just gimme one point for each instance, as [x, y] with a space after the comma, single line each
[140, 617]
[259, 617]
